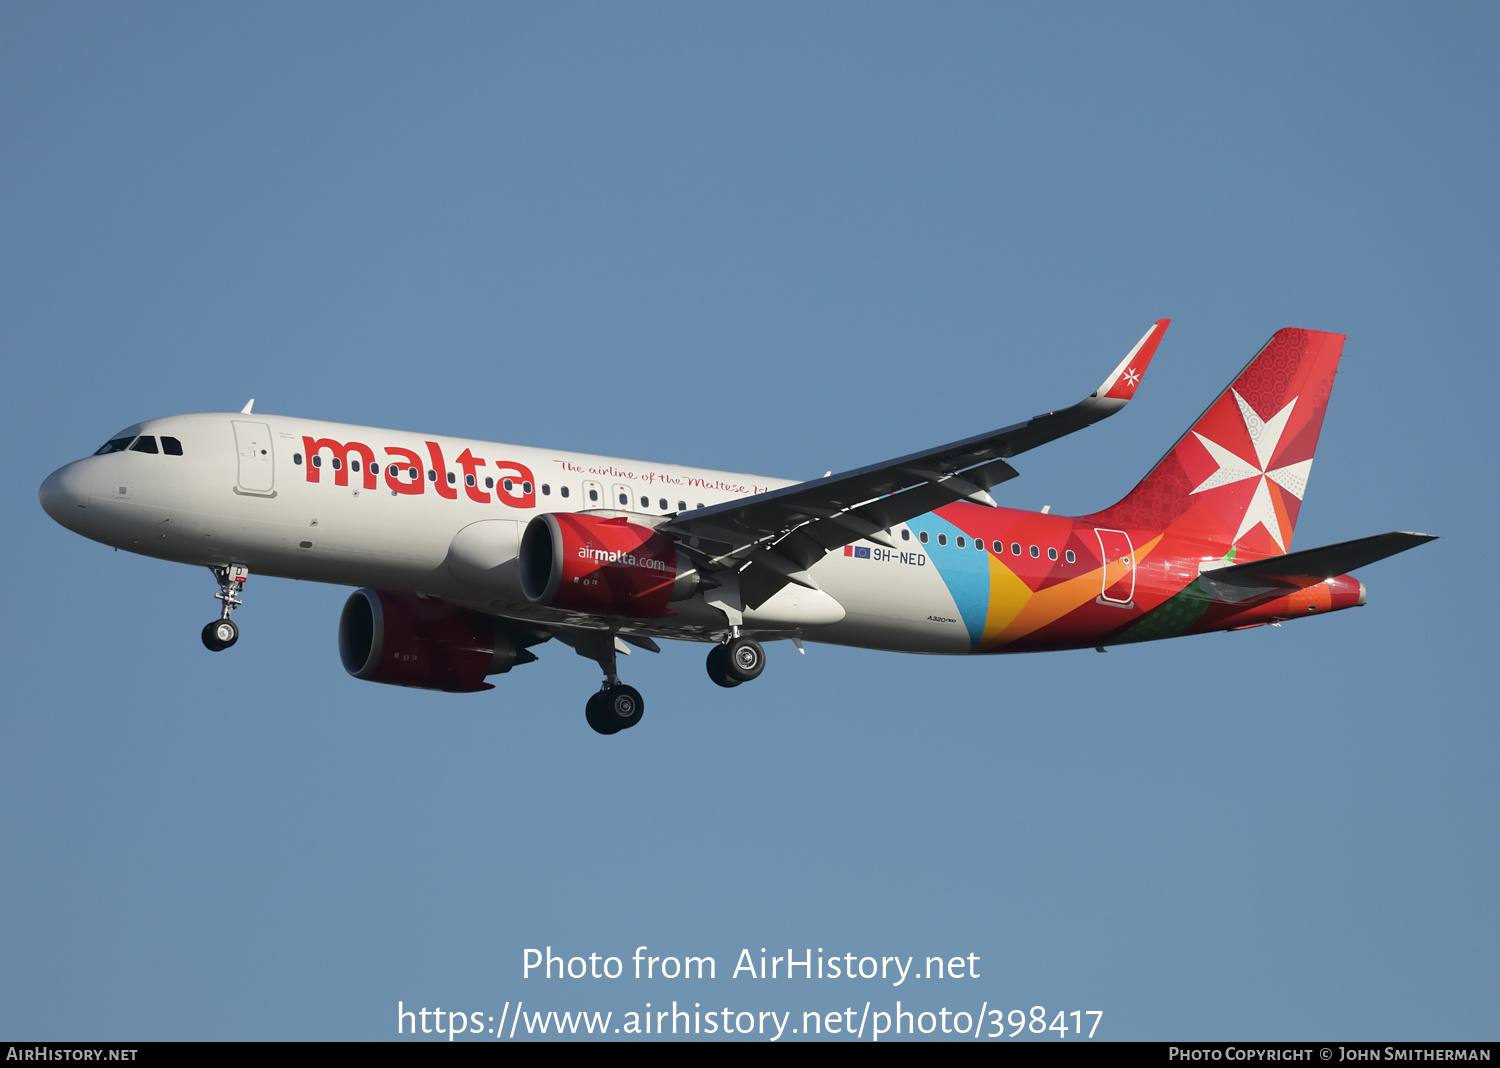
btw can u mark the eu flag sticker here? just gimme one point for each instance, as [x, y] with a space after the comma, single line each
[862, 552]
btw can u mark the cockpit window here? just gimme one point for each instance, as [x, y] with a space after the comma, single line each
[171, 446]
[144, 443]
[115, 445]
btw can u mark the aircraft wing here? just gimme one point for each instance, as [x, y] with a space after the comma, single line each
[774, 537]
[1311, 566]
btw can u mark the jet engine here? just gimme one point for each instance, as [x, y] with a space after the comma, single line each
[405, 640]
[590, 563]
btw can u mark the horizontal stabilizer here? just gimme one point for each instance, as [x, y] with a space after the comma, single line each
[1308, 566]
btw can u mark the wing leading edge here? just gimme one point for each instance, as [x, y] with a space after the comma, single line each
[756, 545]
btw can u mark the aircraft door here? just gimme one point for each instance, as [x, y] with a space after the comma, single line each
[593, 496]
[257, 463]
[1115, 549]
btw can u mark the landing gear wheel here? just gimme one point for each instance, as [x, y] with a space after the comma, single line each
[220, 635]
[596, 714]
[718, 667]
[744, 659]
[615, 709]
[624, 704]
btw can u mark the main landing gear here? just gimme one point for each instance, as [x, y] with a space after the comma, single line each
[222, 633]
[616, 707]
[738, 660]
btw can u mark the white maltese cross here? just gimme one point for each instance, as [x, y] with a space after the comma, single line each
[1265, 435]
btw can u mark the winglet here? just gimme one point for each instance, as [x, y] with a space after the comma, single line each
[1122, 382]
[248, 405]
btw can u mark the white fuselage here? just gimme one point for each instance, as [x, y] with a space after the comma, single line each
[442, 517]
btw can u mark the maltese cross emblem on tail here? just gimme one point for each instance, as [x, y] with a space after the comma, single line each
[1265, 436]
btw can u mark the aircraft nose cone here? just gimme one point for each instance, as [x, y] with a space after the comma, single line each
[64, 493]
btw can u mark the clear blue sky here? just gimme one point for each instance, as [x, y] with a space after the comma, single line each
[774, 238]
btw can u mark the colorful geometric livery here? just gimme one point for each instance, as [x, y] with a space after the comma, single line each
[1228, 492]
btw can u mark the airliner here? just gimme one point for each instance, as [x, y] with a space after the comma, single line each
[467, 555]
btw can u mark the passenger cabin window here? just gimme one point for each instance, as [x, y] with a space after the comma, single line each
[906, 535]
[144, 443]
[1015, 548]
[526, 487]
[468, 480]
[645, 502]
[1069, 556]
[317, 461]
[489, 483]
[942, 539]
[1035, 552]
[354, 466]
[979, 545]
[662, 504]
[297, 458]
[961, 543]
[562, 491]
[593, 495]
[922, 537]
[546, 489]
[337, 463]
[1051, 554]
[682, 506]
[624, 500]
[171, 446]
[114, 445]
[452, 478]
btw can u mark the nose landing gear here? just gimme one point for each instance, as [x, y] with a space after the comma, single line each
[222, 633]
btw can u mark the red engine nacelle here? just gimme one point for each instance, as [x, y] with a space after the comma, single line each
[589, 563]
[405, 640]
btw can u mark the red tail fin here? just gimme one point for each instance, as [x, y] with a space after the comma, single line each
[1238, 476]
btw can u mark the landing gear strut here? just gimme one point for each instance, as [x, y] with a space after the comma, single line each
[738, 660]
[222, 633]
